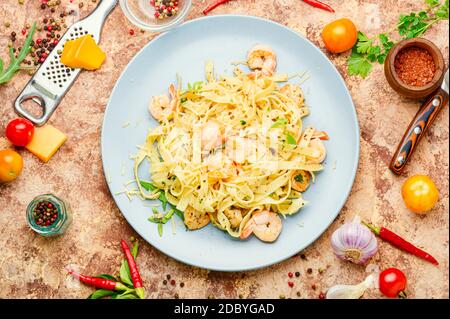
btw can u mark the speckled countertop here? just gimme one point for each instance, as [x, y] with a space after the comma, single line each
[33, 267]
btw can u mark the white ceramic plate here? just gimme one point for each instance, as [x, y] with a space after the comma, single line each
[224, 39]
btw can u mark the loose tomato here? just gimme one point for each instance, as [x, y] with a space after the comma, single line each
[393, 283]
[420, 194]
[339, 35]
[11, 164]
[20, 131]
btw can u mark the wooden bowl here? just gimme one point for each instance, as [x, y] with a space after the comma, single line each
[411, 91]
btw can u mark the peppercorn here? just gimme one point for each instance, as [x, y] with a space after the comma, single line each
[43, 6]
[241, 296]
[313, 287]
[303, 256]
[7, 24]
[297, 274]
[168, 277]
[182, 284]
[164, 282]
[81, 5]
[309, 271]
[176, 296]
[45, 213]
[298, 294]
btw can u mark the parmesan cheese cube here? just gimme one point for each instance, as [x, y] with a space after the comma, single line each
[46, 141]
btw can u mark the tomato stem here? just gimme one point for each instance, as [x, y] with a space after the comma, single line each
[402, 294]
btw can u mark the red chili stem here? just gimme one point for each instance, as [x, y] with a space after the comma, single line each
[98, 282]
[214, 5]
[400, 243]
[135, 276]
[319, 4]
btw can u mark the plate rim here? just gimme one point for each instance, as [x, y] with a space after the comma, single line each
[348, 188]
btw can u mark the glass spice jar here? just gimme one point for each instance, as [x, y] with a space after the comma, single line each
[50, 205]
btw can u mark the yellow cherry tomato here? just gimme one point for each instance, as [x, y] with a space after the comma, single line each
[11, 164]
[339, 35]
[420, 194]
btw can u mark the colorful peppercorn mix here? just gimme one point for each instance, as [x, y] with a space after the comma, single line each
[165, 8]
[45, 213]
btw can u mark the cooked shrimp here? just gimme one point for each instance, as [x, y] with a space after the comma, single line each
[195, 219]
[262, 58]
[241, 149]
[293, 92]
[161, 107]
[212, 135]
[234, 215]
[317, 145]
[301, 180]
[264, 224]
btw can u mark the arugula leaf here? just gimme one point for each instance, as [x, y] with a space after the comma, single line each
[125, 275]
[358, 65]
[279, 122]
[14, 66]
[179, 213]
[162, 220]
[150, 188]
[100, 293]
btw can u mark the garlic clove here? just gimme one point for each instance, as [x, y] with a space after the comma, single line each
[351, 291]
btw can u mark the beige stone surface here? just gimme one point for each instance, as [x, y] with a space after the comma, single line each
[33, 267]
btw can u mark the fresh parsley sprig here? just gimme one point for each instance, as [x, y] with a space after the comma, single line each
[370, 50]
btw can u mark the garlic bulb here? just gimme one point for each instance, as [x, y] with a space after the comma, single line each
[349, 291]
[354, 242]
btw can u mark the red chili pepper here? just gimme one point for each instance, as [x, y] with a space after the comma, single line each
[214, 5]
[137, 281]
[99, 282]
[400, 243]
[319, 4]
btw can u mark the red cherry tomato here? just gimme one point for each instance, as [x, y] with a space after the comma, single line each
[393, 283]
[20, 131]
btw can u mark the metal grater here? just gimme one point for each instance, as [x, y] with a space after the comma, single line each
[53, 79]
